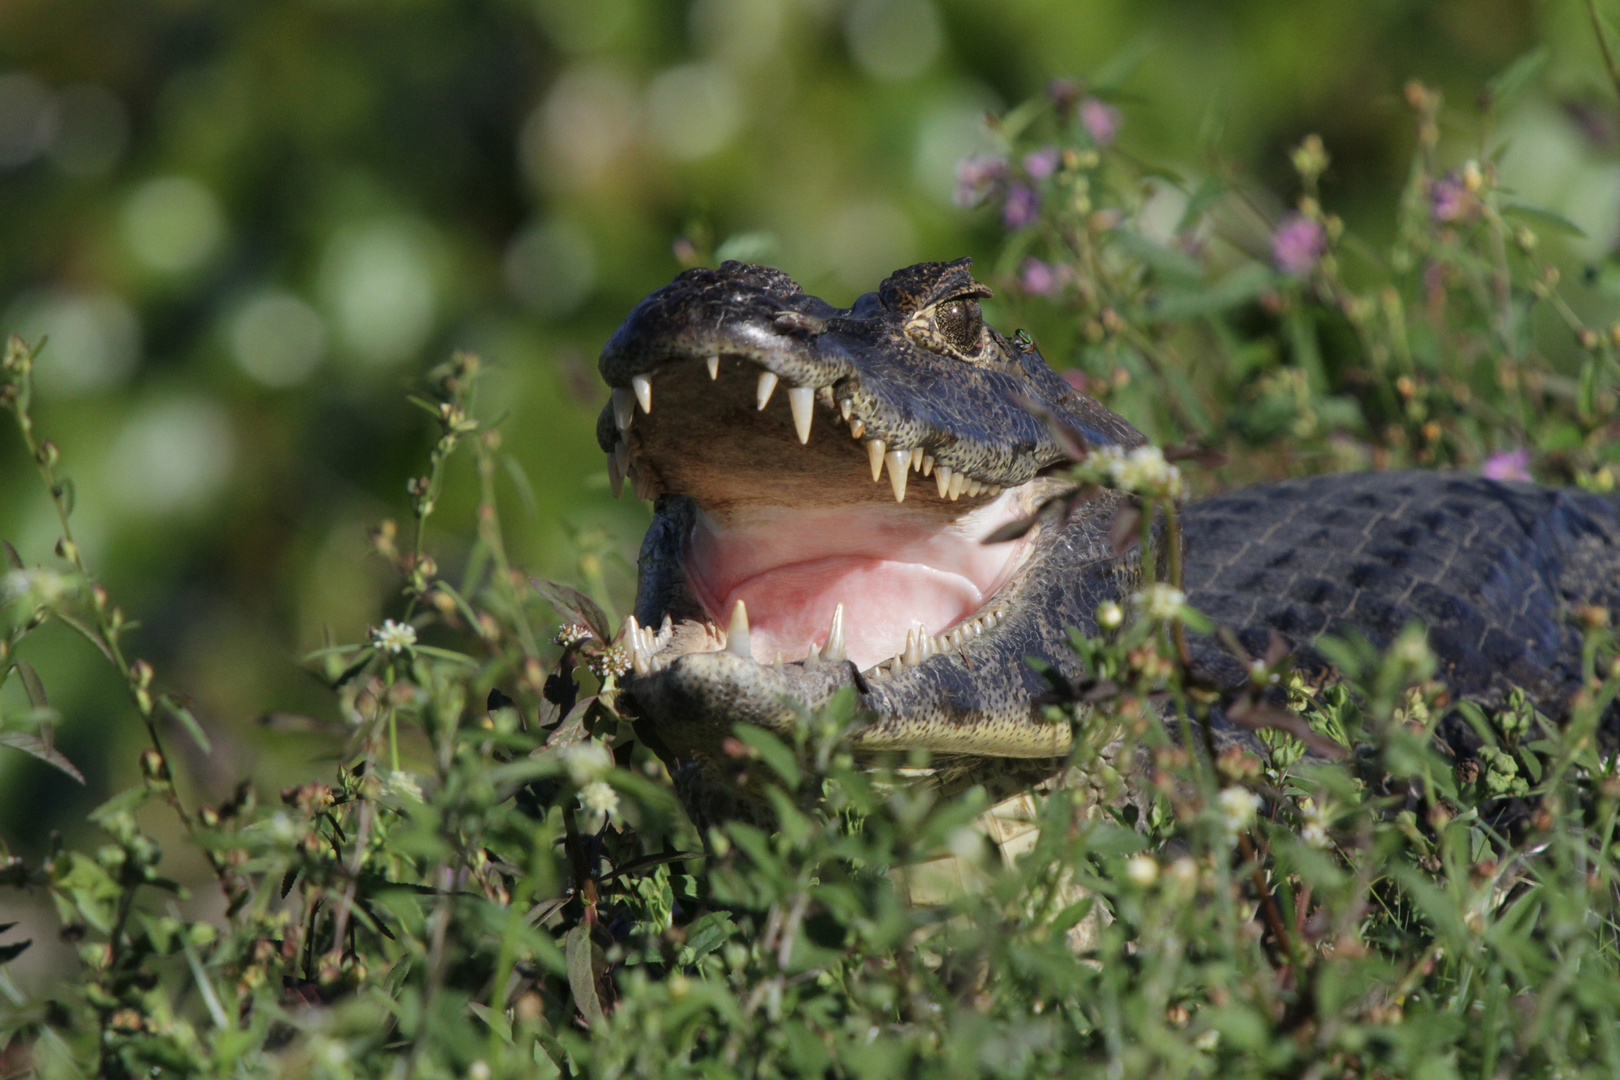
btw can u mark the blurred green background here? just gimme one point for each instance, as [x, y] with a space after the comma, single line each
[247, 226]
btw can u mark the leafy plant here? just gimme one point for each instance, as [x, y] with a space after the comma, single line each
[497, 879]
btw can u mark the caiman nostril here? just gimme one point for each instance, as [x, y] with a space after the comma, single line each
[796, 322]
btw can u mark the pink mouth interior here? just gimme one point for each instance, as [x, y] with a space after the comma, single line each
[893, 569]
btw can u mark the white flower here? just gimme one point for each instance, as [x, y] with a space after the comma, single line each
[572, 634]
[586, 760]
[598, 797]
[1142, 471]
[1159, 601]
[1142, 870]
[1109, 615]
[394, 637]
[41, 586]
[398, 782]
[1313, 823]
[1239, 806]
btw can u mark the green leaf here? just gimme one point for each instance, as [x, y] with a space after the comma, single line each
[749, 247]
[520, 480]
[38, 747]
[31, 683]
[88, 632]
[582, 975]
[1586, 391]
[1512, 80]
[1238, 287]
[774, 752]
[1547, 219]
[13, 559]
[445, 654]
[574, 605]
[709, 933]
[187, 721]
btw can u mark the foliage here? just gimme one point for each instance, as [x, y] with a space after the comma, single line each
[497, 880]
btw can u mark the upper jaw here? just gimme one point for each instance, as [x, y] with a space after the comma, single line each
[856, 367]
[736, 398]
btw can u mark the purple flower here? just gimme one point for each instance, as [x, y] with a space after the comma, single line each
[1022, 206]
[1297, 245]
[1450, 199]
[1507, 465]
[1100, 120]
[1041, 163]
[978, 177]
[1038, 278]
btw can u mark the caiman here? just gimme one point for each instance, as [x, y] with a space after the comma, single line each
[824, 479]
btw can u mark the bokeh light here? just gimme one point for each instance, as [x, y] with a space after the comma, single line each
[277, 338]
[377, 284]
[93, 340]
[172, 455]
[173, 224]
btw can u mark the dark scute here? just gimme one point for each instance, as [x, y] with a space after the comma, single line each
[761, 277]
[914, 288]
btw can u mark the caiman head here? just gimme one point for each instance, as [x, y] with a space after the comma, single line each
[824, 480]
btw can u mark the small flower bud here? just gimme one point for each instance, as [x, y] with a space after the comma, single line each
[48, 455]
[141, 672]
[154, 770]
[67, 549]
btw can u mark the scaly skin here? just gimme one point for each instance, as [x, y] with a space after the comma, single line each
[1494, 569]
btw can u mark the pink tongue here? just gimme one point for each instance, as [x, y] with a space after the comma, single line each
[791, 607]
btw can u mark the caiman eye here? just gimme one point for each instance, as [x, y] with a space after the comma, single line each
[961, 324]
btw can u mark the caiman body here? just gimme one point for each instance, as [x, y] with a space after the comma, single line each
[824, 478]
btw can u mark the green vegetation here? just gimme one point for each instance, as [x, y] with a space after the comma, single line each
[487, 875]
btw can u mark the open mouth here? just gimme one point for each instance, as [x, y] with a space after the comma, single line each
[806, 535]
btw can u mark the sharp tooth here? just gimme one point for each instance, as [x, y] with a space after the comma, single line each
[913, 653]
[813, 657]
[632, 638]
[825, 396]
[666, 629]
[737, 642]
[927, 465]
[845, 407]
[898, 460]
[713, 364]
[916, 457]
[942, 480]
[767, 383]
[857, 428]
[974, 487]
[615, 474]
[874, 453]
[834, 649]
[897, 665]
[925, 643]
[642, 385]
[778, 661]
[801, 399]
[624, 408]
[959, 484]
[993, 489]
